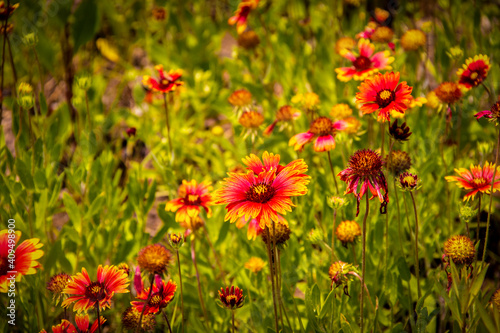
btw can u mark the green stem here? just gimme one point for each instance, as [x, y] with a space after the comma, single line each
[232, 312]
[333, 173]
[200, 295]
[168, 124]
[297, 313]
[417, 268]
[89, 120]
[478, 220]
[491, 199]
[399, 218]
[363, 262]
[333, 233]
[180, 283]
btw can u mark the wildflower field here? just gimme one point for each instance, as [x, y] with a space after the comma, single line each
[249, 166]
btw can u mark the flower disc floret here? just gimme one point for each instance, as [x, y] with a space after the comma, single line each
[154, 258]
[347, 232]
[460, 249]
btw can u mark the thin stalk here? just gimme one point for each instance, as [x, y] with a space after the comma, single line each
[399, 218]
[491, 199]
[200, 296]
[478, 219]
[269, 255]
[280, 298]
[207, 237]
[487, 90]
[333, 173]
[232, 315]
[417, 268]
[333, 233]
[89, 120]
[180, 283]
[99, 316]
[3, 62]
[166, 319]
[168, 124]
[383, 138]
[138, 328]
[14, 73]
[363, 262]
[353, 250]
[297, 313]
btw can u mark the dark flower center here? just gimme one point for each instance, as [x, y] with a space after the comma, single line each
[231, 300]
[260, 193]
[95, 291]
[321, 126]
[361, 63]
[155, 300]
[365, 163]
[385, 97]
[3, 266]
[192, 199]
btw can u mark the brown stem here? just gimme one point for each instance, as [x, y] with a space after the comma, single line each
[3, 62]
[138, 328]
[98, 318]
[168, 124]
[271, 268]
[478, 219]
[232, 314]
[491, 199]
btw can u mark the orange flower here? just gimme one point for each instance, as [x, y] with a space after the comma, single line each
[365, 64]
[385, 94]
[264, 191]
[241, 15]
[448, 92]
[19, 261]
[322, 131]
[231, 298]
[192, 197]
[82, 322]
[240, 97]
[477, 179]
[167, 81]
[161, 296]
[474, 72]
[87, 293]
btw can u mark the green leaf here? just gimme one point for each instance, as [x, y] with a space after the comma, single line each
[346, 327]
[86, 23]
[43, 103]
[40, 179]
[328, 305]
[24, 174]
[96, 205]
[73, 211]
[485, 317]
[403, 269]
[40, 208]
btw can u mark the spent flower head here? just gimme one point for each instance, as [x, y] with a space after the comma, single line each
[399, 161]
[154, 258]
[130, 320]
[56, 285]
[449, 92]
[460, 250]
[399, 133]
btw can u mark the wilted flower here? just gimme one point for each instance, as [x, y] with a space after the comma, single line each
[280, 235]
[240, 98]
[408, 181]
[264, 191]
[413, 39]
[340, 111]
[192, 198]
[322, 131]
[26, 255]
[154, 258]
[56, 285]
[344, 43]
[284, 116]
[474, 72]
[167, 81]
[241, 15]
[231, 298]
[365, 168]
[159, 13]
[493, 113]
[365, 64]
[448, 92]
[399, 133]
[347, 232]
[460, 249]
[248, 40]
[383, 93]
[130, 319]
[255, 264]
[87, 294]
[338, 274]
[398, 162]
[478, 179]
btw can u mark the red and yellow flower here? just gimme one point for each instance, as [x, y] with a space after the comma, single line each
[322, 131]
[365, 64]
[384, 93]
[264, 191]
[19, 261]
[82, 325]
[478, 179]
[231, 298]
[87, 293]
[192, 197]
[474, 72]
[167, 81]
[161, 295]
[240, 17]
[365, 169]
